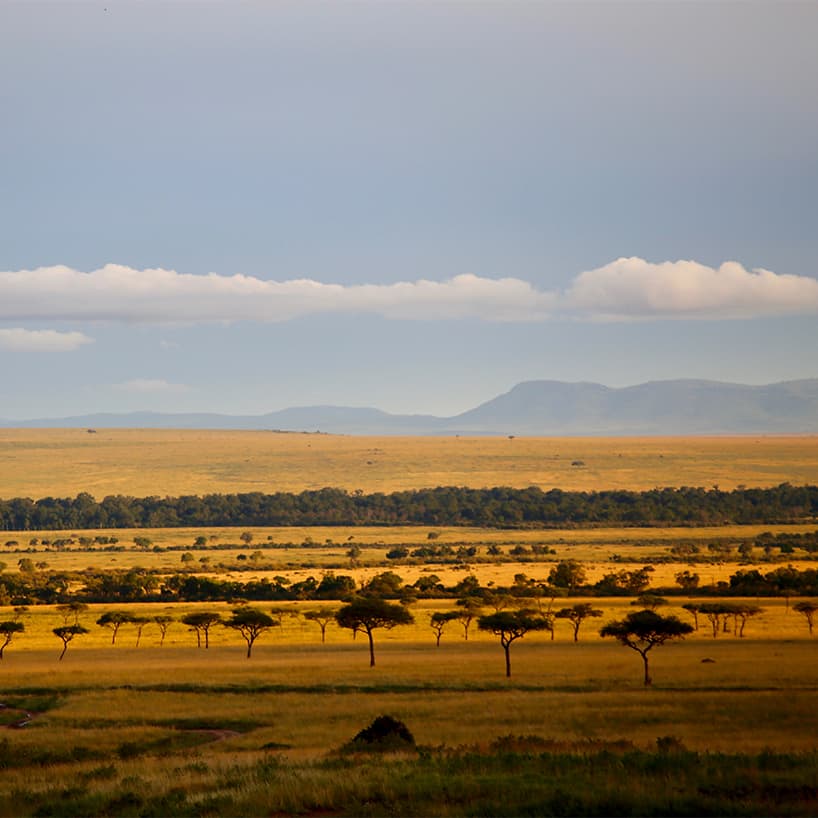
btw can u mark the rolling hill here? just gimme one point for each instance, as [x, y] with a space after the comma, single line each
[677, 407]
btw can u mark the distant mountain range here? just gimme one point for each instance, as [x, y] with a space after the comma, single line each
[680, 407]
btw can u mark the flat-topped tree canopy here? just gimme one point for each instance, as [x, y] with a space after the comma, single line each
[513, 625]
[643, 630]
[366, 613]
[250, 623]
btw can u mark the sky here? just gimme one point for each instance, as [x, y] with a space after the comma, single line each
[240, 207]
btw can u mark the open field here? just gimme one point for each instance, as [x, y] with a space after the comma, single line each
[302, 538]
[181, 731]
[315, 562]
[64, 462]
[776, 624]
[299, 552]
[177, 730]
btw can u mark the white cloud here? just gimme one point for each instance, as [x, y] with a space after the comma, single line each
[41, 340]
[116, 293]
[628, 288]
[634, 288]
[150, 386]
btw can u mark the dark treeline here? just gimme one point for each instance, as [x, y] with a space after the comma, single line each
[494, 507]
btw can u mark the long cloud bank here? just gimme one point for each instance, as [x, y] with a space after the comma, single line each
[626, 289]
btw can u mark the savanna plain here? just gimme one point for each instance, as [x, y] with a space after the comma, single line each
[146, 720]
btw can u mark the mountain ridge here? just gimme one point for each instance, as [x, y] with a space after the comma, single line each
[535, 407]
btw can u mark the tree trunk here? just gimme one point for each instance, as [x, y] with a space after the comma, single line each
[576, 632]
[507, 649]
[323, 633]
[648, 680]
[64, 649]
[371, 649]
[249, 647]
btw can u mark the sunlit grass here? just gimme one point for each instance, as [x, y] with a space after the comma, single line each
[177, 730]
[185, 731]
[63, 462]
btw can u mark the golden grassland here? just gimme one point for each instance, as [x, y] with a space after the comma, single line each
[314, 551]
[373, 536]
[500, 573]
[138, 462]
[314, 696]
[223, 734]
[178, 730]
[777, 622]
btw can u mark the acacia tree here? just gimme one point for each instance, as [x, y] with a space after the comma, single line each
[718, 614]
[367, 613]
[439, 620]
[201, 622]
[7, 631]
[140, 622]
[807, 609]
[577, 614]
[72, 610]
[67, 634]
[693, 609]
[643, 630]
[513, 625]
[279, 614]
[250, 623]
[113, 620]
[163, 622]
[741, 612]
[322, 617]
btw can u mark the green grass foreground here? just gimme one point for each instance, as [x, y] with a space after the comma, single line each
[512, 777]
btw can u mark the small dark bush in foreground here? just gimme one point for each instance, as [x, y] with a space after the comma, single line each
[385, 734]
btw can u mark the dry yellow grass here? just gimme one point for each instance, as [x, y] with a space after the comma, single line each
[633, 547]
[118, 725]
[588, 689]
[777, 622]
[606, 702]
[181, 720]
[63, 462]
[336, 540]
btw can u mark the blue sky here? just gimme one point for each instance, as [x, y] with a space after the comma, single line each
[240, 207]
